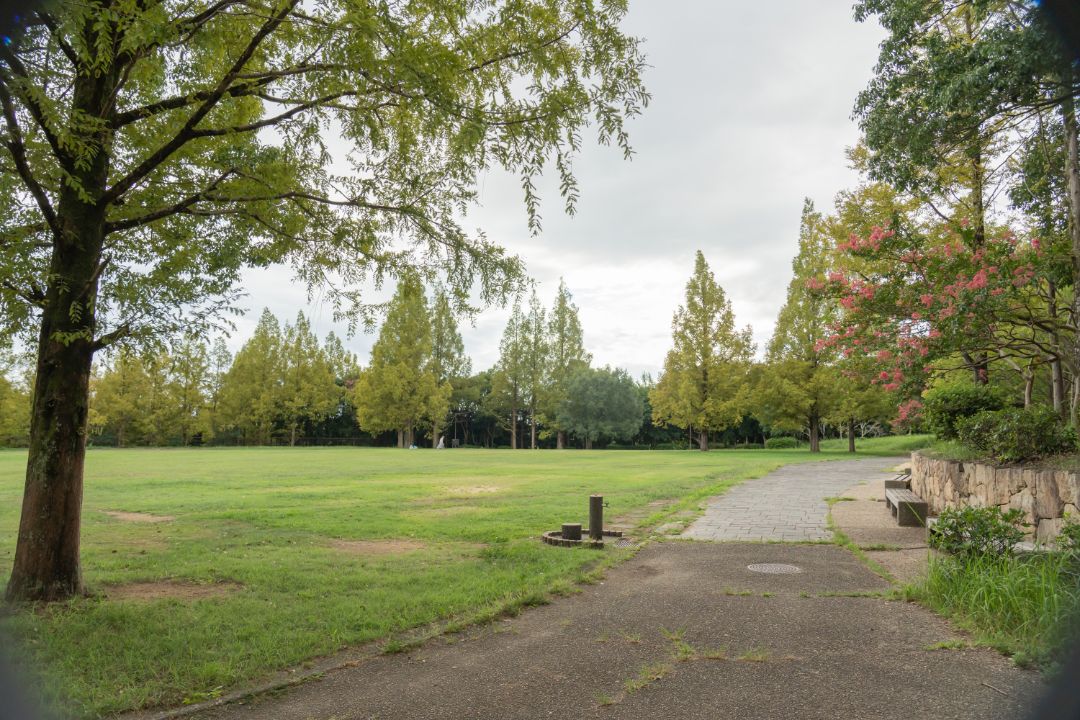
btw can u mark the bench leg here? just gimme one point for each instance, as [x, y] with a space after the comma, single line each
[910, 514]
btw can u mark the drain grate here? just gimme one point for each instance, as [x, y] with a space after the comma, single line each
[624, 542]
[773, 568]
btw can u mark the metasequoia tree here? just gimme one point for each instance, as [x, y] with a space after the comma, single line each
[448, 359]
[152, 150]
[566, 355]
[400, 388]
[798, 385]
[308, 389]
[509, 383]
[535, 361]
[250, 394]
[704, 386]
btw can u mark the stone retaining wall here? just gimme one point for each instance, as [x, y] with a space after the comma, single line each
[1044, 495]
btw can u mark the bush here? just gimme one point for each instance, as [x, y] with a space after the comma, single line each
[971, 531]
[1068, 541]
[781, 443]
[944, 407]
[1016, 435]
[748, 446]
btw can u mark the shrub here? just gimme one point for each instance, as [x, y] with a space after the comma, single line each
[1068, 541]
[971, 531]
[748, 446]
[943, 407]
[781, 443]
[1015, 434]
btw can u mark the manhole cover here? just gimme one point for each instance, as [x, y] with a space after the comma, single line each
[773, 568]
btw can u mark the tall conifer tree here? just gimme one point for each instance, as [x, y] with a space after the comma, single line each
[704, 386]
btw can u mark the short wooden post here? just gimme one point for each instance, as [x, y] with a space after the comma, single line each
[596, 517]
[571, 531]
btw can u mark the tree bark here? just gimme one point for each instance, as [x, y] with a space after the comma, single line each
[703, 440]
[292, 436]
[435, 435]
[588, 443]
[560, 440]
[532, 427]
[815, 432]
[1072, 171]
[400, 438]
[513, 425]
[47, 566]
[851, 435]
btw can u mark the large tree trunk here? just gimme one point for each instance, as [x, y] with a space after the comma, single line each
[1072, 171]
[513, 424]
[703, 440]
[815, 434]
[851, 435]
[560, 440]
[588, 443]
[435, 435]
[47, 552]
[46, 564]
[532, 428]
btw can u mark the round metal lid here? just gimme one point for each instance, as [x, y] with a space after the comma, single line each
[773, 568]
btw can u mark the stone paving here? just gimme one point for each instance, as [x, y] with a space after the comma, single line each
[787, 505]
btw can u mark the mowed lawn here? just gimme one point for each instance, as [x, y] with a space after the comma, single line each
[267, 548]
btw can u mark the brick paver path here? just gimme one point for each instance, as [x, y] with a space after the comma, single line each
[787, 504]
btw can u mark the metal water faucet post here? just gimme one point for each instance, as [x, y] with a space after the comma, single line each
[596, 517]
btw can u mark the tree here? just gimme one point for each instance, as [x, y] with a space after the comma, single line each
[14, 413]
[153, 150]
[798, 387]
[601, 403]
[567, 355]
[122, 398]
[399, 389]
[704, 386]
[448, 359]
[190, 371]
[251, 389]
[308, 389]
[534, 360]
[509, 383]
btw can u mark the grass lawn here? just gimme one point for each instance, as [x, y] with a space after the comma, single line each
[269, 545]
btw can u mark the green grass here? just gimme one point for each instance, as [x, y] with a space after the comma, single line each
[265, 519]
[1023, 605]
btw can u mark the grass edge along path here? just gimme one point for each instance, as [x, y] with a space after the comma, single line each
[153, 663]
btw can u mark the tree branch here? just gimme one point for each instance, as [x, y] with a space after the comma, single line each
[18, 154]
[36, 111]
[187, 132]
[180, 207]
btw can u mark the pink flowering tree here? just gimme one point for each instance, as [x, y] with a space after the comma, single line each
[916, 304]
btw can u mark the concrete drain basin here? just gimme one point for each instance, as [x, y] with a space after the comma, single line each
[773, 568]
[573, 535]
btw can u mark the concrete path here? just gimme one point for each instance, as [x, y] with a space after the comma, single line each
[684, 630]
[787, 504]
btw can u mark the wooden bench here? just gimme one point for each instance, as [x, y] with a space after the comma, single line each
[909, 509]
[901, 481]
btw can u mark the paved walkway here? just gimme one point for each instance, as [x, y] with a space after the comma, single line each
[787, 504]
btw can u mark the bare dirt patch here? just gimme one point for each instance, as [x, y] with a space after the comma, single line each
[377, 547]
[138, 517]
[170, 589]
[474, 490]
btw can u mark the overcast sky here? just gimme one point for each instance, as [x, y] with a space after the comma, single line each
[750, 113]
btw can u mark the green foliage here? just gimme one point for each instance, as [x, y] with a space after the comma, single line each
[567, 355]
[1016, 434]
[781, 443]
[977, 532]
[944, 406]
[250, 400]
[705, 381]
[1024, 605]
[14, 414]
[601, 402]
[1068, 540]
[399, 390]
[195, 187]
